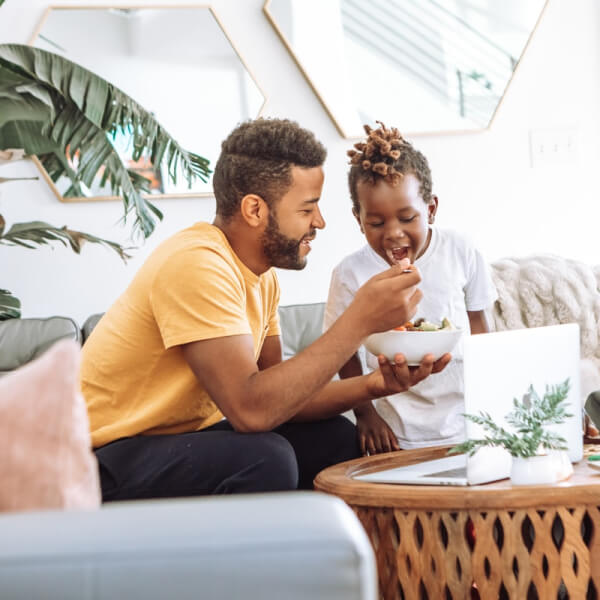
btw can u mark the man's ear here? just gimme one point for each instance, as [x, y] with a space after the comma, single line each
[432, 209]
[254, 210]
[357, 217]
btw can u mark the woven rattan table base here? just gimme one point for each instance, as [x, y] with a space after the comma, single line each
[493, 554]
[488, 542]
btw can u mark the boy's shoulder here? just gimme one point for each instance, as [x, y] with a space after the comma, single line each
[447, 233]
[455, 238]
[364, 257]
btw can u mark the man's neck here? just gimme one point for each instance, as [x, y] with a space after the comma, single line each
[245, 242]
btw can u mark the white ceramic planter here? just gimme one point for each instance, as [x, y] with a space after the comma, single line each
[545, 468]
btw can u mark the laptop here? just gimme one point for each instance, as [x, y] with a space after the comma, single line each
[498, 367]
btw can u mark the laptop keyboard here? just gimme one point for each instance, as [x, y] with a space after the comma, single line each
[457, 472]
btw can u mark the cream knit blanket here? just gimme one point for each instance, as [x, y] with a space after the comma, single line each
[546, 290]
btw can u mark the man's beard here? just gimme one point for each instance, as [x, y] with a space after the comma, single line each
[281, 251]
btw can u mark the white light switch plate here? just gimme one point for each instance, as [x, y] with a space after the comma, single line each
[553, 146]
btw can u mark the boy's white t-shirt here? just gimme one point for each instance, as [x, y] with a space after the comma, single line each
[454, 279]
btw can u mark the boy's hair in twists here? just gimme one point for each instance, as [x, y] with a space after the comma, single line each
[386, 155]
[257, 157]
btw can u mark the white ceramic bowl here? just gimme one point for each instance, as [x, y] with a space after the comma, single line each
[413, 344]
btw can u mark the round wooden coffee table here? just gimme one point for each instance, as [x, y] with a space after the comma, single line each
[487, 541]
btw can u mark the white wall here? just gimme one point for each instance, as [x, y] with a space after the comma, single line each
[485, 181]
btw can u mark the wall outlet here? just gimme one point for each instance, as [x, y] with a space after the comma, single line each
[553, 146]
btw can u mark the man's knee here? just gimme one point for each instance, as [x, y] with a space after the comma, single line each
[271, 466]
[279, 461]
[341, 438]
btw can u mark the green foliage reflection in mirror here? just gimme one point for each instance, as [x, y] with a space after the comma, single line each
[428, 66]
[177, 62]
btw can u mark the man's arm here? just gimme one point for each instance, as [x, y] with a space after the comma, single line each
[259, 400]
[336, 397]
[339, 396]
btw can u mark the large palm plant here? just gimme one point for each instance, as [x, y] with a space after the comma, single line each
[55, 109]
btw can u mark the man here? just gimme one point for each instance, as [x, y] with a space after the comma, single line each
[195, 338]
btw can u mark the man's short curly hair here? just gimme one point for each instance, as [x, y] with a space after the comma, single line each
[257, 157]
[386, 155]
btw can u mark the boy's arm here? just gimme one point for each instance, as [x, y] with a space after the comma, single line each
[259, 400]
[480, 290]
[353, 368]
[478, 321]
[374, 434]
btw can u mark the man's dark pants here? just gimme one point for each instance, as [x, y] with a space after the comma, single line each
[218, 460]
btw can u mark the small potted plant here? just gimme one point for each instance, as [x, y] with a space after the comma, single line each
[537, 454]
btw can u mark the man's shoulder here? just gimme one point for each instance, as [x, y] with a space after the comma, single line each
[201, 242]
[199, 235]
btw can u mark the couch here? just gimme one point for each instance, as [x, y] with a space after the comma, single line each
[293, 545]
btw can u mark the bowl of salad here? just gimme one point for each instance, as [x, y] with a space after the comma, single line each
[415, 339]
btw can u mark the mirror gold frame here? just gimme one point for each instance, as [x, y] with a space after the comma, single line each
[154, 196]
[331, 110]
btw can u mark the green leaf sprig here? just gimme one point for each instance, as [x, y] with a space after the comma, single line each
[528, 418]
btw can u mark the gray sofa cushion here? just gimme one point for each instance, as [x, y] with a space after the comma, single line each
[301, 325]
[22, 340]
[89, 324]
[289, 545]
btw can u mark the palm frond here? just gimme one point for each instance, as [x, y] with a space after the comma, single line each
[56, 165]
[14, 107]
[78, 112]
[95, 152]
[10, 307]
[38, 233]
[26, 135]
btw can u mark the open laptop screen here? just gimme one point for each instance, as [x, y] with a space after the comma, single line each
[499, 367]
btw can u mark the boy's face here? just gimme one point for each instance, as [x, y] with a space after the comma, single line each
[294, 221]
[395, 218]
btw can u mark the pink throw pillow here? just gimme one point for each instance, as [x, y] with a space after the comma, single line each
[46, 460]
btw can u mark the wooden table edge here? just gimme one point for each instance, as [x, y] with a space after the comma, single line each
[582, 488]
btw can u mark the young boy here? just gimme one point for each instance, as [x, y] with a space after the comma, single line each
[391, 189]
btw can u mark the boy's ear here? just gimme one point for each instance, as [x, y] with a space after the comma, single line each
[254, 210]
[432, 209]
[357, 217]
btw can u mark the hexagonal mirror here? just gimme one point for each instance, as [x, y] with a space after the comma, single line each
[177, 62]
[424, 66]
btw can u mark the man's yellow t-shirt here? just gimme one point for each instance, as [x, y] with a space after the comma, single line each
[192, 287]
